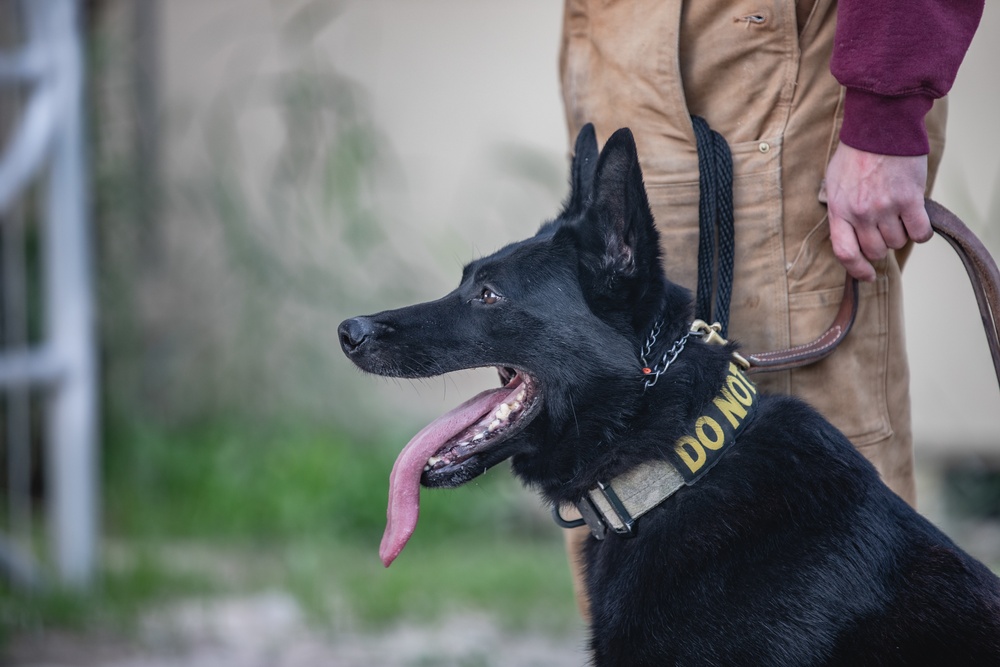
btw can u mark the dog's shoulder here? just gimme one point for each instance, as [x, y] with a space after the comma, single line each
[790, 436]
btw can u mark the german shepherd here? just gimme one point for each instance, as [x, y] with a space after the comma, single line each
[779, 545]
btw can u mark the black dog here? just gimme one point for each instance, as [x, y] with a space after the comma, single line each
[764, 538]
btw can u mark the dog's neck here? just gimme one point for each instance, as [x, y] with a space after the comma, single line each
[651, 418]
[628, 422]
[616, 504]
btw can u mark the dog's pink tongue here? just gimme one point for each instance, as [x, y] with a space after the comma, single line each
[404, 482]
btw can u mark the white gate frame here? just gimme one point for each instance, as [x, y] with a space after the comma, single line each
[48, 146]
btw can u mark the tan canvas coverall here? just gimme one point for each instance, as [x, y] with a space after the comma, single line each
[759, 73]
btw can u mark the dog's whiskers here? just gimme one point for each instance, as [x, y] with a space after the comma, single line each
[576, 422]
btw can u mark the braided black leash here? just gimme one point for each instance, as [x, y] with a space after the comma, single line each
[715, 221]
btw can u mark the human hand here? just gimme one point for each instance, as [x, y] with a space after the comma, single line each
[875, 202]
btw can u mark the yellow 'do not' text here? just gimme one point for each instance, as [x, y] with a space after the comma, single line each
[716, 428]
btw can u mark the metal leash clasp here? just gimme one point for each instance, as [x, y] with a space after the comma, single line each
[713, 337]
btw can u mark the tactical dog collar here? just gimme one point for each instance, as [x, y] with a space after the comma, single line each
[617, 504]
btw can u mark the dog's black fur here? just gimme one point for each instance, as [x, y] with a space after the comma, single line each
[790, 551]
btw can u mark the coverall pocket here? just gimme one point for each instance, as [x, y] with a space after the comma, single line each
[849, 386]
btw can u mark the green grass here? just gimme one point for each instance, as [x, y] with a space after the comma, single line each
[223, 483]
[525, 583]
[303, 512]
[117, 599]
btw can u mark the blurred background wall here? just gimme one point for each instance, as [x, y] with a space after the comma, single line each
[321, 159]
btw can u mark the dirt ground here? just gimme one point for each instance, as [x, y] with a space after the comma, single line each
[269, 630]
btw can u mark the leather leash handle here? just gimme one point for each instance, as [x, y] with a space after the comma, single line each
[983, 274]
[982, 270]
[810, 353]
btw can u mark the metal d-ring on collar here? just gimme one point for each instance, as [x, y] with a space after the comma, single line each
[592, 515]
[668, 357]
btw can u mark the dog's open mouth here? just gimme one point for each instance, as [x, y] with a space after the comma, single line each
[453, 449]
[497, 423]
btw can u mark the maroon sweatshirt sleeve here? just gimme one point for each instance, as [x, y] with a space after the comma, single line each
[895, 57]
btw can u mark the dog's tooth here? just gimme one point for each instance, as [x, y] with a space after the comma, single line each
[515, 406]
[434, 460]
[504, 411]
[520, 395]
[479, 436]
[494, 425]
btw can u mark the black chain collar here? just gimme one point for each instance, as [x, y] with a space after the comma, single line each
[651, 374]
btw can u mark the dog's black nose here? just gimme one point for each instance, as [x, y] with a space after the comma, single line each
[354, 332]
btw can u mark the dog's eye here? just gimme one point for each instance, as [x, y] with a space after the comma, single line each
[489, 297]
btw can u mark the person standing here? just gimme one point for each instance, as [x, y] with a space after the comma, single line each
[835, 117]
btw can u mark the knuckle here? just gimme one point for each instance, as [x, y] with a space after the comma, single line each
[845, 253]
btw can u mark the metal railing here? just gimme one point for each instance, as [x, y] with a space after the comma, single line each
[45, 155]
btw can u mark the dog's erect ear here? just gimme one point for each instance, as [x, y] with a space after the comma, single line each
[582, 171]
[621, 212]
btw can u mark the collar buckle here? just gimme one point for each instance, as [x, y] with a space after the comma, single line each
[595, 518]
[627, 521]
[592, 517]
